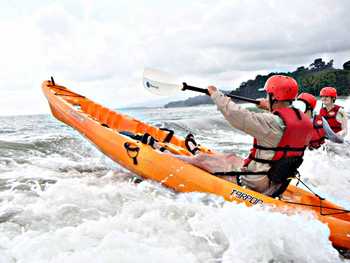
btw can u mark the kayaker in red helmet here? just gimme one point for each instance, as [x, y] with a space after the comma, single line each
[319, 135]
[280, 138]
[322, 130]
[334, 114]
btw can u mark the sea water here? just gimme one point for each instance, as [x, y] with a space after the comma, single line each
[61, 200]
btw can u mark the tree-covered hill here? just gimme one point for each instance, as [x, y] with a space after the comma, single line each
[310, 79]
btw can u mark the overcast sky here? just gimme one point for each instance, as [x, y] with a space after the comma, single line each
[99, 48]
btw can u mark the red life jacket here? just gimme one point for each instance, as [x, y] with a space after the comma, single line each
[296, 137]
[318, 135]
[330, 116]
[288, 153]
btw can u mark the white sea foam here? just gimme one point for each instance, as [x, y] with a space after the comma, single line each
[108, 220]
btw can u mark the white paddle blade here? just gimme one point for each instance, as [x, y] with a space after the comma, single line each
[160, 88]
[160, 83]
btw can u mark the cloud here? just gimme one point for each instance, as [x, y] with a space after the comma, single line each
[100, 48]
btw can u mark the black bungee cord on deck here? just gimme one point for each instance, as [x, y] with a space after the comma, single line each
[339, 210]
[72, 94]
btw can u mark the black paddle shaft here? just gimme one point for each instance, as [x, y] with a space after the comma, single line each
[205, 91]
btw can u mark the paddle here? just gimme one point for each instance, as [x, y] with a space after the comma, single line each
[162, 83]
[330, 134]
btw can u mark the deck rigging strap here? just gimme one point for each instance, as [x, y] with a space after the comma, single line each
[191, 144]
[69, 95]
[169, 136]
[64, 89]
[132, 149]
[339, 210]
[72, 94]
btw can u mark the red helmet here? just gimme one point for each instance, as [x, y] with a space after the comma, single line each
[328, 92]
[281, 87]
[309, 99]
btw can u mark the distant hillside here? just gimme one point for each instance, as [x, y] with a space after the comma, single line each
[310, 79]
[193, 101]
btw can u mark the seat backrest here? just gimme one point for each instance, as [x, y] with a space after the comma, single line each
[127, 124]
[96, 111]
[91, 108]
[103, 115]
[141, 128]
[84, 104]
[113, 120]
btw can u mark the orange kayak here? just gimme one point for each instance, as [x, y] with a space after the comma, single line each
[108, 131]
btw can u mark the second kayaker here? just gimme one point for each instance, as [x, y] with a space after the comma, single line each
[319, 135]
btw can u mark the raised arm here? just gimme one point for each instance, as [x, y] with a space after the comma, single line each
[343, 118]
[258, 125]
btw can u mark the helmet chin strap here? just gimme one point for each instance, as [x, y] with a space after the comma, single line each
[308, 108]
[311, 110]
[271, 101]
